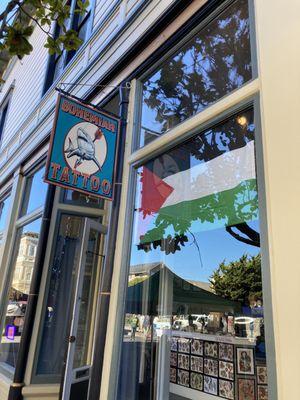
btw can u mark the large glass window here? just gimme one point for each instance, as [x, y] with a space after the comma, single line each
[35, 192]
[194, 312]
[22, 265]
[27, 237]
[213, 63]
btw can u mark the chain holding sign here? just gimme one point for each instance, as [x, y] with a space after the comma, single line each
[82, 153]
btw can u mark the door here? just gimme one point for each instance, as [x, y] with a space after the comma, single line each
[78, 364]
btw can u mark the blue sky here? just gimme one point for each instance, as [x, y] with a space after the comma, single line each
[198, 263]
[3, 4]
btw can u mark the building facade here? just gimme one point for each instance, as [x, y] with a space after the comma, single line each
[184, 286]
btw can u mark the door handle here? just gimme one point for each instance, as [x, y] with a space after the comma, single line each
[71, 339]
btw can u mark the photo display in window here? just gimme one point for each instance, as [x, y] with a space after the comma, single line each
[194, 312]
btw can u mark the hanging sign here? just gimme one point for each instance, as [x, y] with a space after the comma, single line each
[82, 149]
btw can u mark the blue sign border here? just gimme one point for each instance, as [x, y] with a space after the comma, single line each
[103, 180]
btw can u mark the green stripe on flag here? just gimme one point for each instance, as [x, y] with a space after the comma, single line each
[226, 208]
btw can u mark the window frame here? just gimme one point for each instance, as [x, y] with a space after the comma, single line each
[16, 223]
[59, 208]
[172, 50]
[6, 103]
[51, 77]
[248, 95]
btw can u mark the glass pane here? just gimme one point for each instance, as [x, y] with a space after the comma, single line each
[4, 208]
[216, 61]
[80, 199]
[25, 250]
[194, 314]
[59, 305]
[84, 336]
[35, 192]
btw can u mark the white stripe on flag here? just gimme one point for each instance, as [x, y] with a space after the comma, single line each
[222, 173]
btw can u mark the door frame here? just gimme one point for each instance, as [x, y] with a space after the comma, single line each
[68, 379]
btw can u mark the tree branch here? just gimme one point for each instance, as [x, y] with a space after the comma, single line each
[253, 236]
[36, 21]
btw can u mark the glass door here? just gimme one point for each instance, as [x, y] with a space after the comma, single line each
[80, 346]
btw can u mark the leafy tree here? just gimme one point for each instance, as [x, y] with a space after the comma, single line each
[239, 280]
[16, 25]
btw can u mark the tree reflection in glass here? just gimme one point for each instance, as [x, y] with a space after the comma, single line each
[194, 293]
[216, 61]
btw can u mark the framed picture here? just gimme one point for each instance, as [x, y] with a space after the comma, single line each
[196, 364]
[183, 345]
[226, 351]
[262, 392]
[211, 349]
[197, 347]
[183, 361]
[246, 389]
[183, 378]
[262, 375]
[210, 367]
[173, 373]
[245, 361]
[226, 389]
[196, 381]
[173, 359]
[174, 343]
[210, 385]
[226, 370]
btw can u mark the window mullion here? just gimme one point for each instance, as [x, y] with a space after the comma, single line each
[184, 130]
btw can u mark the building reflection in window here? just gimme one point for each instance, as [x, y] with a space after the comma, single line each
[25, 255]
[194, 319]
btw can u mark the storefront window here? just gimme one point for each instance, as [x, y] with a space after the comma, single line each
[27, 237]
[216, 61]
[194, 312]
[35, 192]
[4, 209]
[22, 266]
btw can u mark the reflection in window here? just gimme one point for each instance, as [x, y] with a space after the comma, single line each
[35, 192]
[194, 309]
[213, 63]
[58, 305]
[27, 236]
[4, 208]
[77, 198]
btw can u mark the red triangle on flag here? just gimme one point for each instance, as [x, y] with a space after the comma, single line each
[154, 192]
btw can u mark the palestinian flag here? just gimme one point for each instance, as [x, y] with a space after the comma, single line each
[180, 192]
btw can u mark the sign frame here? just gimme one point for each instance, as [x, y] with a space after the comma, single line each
[94, 109]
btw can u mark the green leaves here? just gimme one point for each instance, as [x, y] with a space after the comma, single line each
[17, 41]
[70, 40]
[239, 280]
[15, 37]
[53, 46]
